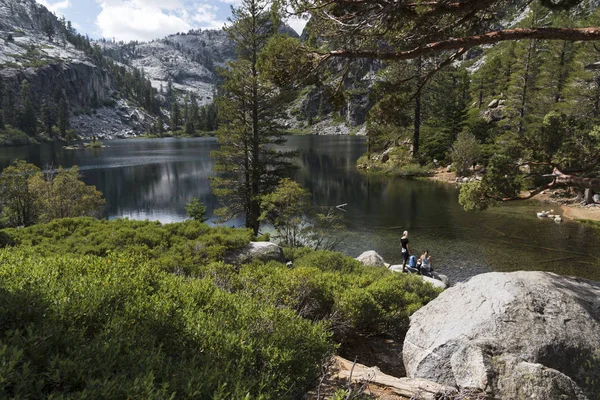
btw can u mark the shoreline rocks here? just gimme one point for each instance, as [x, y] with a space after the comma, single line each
[372, 259]
[512, 335]
[264, 251]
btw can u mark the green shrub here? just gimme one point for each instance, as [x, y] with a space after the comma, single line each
[328, 261]
[181, 247]
[128, 296]
[352, 298]
[10, 136]
[119, 327]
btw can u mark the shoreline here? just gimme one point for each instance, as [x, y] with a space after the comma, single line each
[571, 212]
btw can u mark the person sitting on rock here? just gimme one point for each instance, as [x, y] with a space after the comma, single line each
[425, 264]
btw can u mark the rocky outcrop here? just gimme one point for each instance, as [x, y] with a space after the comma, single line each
[440, 281]
[54, 68]
[118, 122]
[513, 335]
[264, 251]
[371, 259]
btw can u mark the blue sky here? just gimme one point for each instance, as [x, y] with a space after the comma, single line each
[144, 19]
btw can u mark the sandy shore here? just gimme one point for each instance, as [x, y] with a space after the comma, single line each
[570, 211]
[575, 212]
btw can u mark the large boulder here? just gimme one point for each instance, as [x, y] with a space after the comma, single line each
[264, 251]
[514, 335]
[372, 259]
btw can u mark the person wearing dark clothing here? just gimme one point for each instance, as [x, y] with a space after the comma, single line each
[405, 249]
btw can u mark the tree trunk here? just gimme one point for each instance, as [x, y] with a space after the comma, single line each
[576, 181]
[526, 83]
[588, 196]
[417, 130]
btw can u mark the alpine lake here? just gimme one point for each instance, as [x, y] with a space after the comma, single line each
[154, 179]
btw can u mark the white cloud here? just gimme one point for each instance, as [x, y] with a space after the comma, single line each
[150, 19]
[56, 7]
[205, 17]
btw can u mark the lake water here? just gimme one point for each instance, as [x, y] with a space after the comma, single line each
[154, 179]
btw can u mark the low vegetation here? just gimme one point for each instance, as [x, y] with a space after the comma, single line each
[125, 308]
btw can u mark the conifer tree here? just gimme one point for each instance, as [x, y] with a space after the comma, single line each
[48, 27]
[46, 118]
[27, 116]
[63, 117]
[247, 164]
[202, 120]
[1, 113]
[8, 108]
[175, 116]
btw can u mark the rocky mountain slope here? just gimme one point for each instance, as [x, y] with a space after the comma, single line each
[35, 46]
[188, 60]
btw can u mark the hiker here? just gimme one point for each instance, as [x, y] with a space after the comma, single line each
[425, 267]
[405, 249]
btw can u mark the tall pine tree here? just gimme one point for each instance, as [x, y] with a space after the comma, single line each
[247, 164]
[27, 115]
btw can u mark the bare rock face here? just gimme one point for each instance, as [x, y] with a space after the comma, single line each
[371, 259]
[514, 335]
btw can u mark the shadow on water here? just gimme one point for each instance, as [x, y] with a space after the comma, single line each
[154, 179]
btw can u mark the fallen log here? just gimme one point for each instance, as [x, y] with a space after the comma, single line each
[405, 387]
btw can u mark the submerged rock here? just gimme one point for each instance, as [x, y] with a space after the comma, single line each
[514, 335]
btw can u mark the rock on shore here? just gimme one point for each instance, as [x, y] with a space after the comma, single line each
[516, 335]
[264, 251]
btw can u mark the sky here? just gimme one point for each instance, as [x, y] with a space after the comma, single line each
[145, 20]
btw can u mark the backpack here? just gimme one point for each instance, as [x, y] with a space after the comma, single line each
[412, 262]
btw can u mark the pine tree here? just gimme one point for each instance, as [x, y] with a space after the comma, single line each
[525, 79]
[1, 113]
[175, 116]
[247, 164]
[194, 110]
[160, 129]
[202, 120]
[63, 117]
[48, 27]
[27, 115]
[47, 119]
[8, 108]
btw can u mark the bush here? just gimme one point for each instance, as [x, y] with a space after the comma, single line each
[196, 210]
[119, 327]
[465, 151]
[10, 136]
[181, 247]
[109, 318]
[328, 261]
[354, 299]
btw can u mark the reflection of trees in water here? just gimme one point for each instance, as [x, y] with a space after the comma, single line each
[328, 179]
[154, 187]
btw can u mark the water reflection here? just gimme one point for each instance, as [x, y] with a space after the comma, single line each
[154, 179]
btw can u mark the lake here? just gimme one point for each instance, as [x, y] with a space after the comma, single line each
[154, 179]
